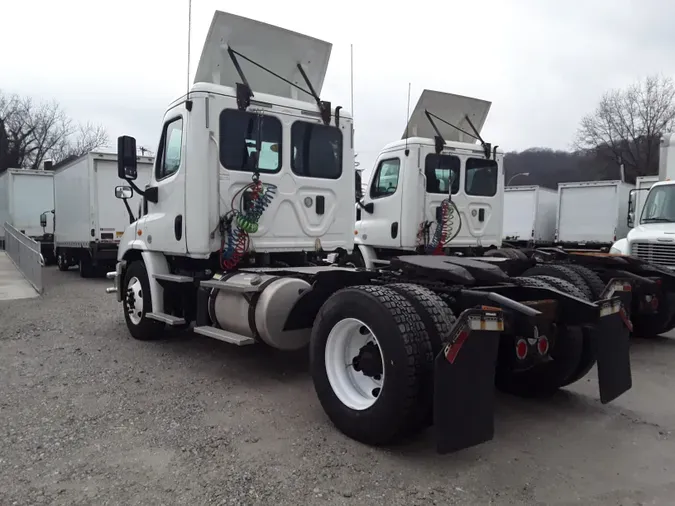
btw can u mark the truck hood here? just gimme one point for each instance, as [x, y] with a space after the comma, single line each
[658, 232]
[452, 108]
[274, 48]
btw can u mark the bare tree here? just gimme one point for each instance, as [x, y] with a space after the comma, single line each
[31, 133]
[627, 124]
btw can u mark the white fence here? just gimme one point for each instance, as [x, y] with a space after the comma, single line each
[25, 253]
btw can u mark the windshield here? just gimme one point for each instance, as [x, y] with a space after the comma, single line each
[660, 205]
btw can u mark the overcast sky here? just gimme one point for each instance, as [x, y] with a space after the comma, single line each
[542, 64]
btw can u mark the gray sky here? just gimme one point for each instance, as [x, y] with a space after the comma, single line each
[542, 64]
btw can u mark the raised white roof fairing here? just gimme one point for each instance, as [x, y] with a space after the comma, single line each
[452, 108]
[275, 48]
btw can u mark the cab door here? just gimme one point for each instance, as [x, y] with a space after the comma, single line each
[382, 227]
[162, 225]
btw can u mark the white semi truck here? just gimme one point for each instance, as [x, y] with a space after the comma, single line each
[253, 187]
[652, 217]
[88, 220]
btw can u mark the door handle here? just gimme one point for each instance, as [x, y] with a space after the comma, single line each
[394, 230]
[481, 214]
[320, 204]
[178, 227]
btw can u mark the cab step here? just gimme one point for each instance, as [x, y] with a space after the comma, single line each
[174, 278]
[224, 335]
[166, 318]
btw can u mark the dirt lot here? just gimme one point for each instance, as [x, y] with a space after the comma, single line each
[90, 416]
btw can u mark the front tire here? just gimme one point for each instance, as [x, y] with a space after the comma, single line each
[137, 303]
[62, 262]
[372, 396]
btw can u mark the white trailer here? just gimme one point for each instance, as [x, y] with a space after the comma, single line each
[25, 195]
[529, 215]
[88, 219]
[592, 213]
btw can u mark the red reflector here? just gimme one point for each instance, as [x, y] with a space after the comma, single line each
[542, 346]
[521, 349]
[453, 350]
[655, 303]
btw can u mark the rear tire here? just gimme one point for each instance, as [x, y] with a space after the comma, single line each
[386, 413]
[439, 321]
[561, 272]
[137, 303]
[596, 285]
[86, 265]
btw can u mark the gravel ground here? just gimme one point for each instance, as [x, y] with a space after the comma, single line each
[90, 416]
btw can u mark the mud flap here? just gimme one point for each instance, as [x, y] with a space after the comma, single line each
[612, 341]
[612, 336]
[464, 381]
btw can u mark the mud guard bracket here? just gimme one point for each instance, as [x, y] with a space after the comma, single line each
[464, 381]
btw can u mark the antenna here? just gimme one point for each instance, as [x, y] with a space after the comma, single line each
[188, 104]
[407, 121]
[351, 77]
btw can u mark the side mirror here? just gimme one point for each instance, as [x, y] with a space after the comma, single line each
[369, 207]
[630, 218]
[123, 192]
[127, 165]
[43, 220]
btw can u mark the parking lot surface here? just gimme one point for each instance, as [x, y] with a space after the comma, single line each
[90, 416]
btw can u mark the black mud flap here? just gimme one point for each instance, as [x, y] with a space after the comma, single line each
[464, 381]
[612, 341]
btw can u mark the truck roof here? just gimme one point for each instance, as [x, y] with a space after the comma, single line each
[28, 172]
[449, 145]
[308, 108]
[96, 155]
[272, 47]
[451, 108]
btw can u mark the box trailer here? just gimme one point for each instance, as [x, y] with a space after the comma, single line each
[88, 219]
[592, 213]
[529, 215]
[26, 195]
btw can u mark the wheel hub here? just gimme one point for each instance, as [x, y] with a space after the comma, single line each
[369, 361]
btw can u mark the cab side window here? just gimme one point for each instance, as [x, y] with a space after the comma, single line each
[386, 178]
[172, 146]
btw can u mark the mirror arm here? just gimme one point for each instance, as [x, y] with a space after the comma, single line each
[136, 188]
[131, 215]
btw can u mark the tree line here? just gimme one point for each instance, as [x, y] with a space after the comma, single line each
[624, 130]
[32, 133]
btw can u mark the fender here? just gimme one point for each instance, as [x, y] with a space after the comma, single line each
[155, 263]
[368, 254]
[620, 247]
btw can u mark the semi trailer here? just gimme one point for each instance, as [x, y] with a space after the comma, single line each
[24, 197]
[88, 220]
[252, 191]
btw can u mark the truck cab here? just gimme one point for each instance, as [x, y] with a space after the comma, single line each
[435, 174]
[652, 237]
[217, 139]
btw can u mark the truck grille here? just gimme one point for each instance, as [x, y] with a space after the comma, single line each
[663, 254]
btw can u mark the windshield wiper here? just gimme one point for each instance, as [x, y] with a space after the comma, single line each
[657, 220]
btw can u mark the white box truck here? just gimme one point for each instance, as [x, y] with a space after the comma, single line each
[592, 213]
[529, 215]
[88, 219]
[26, 197]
